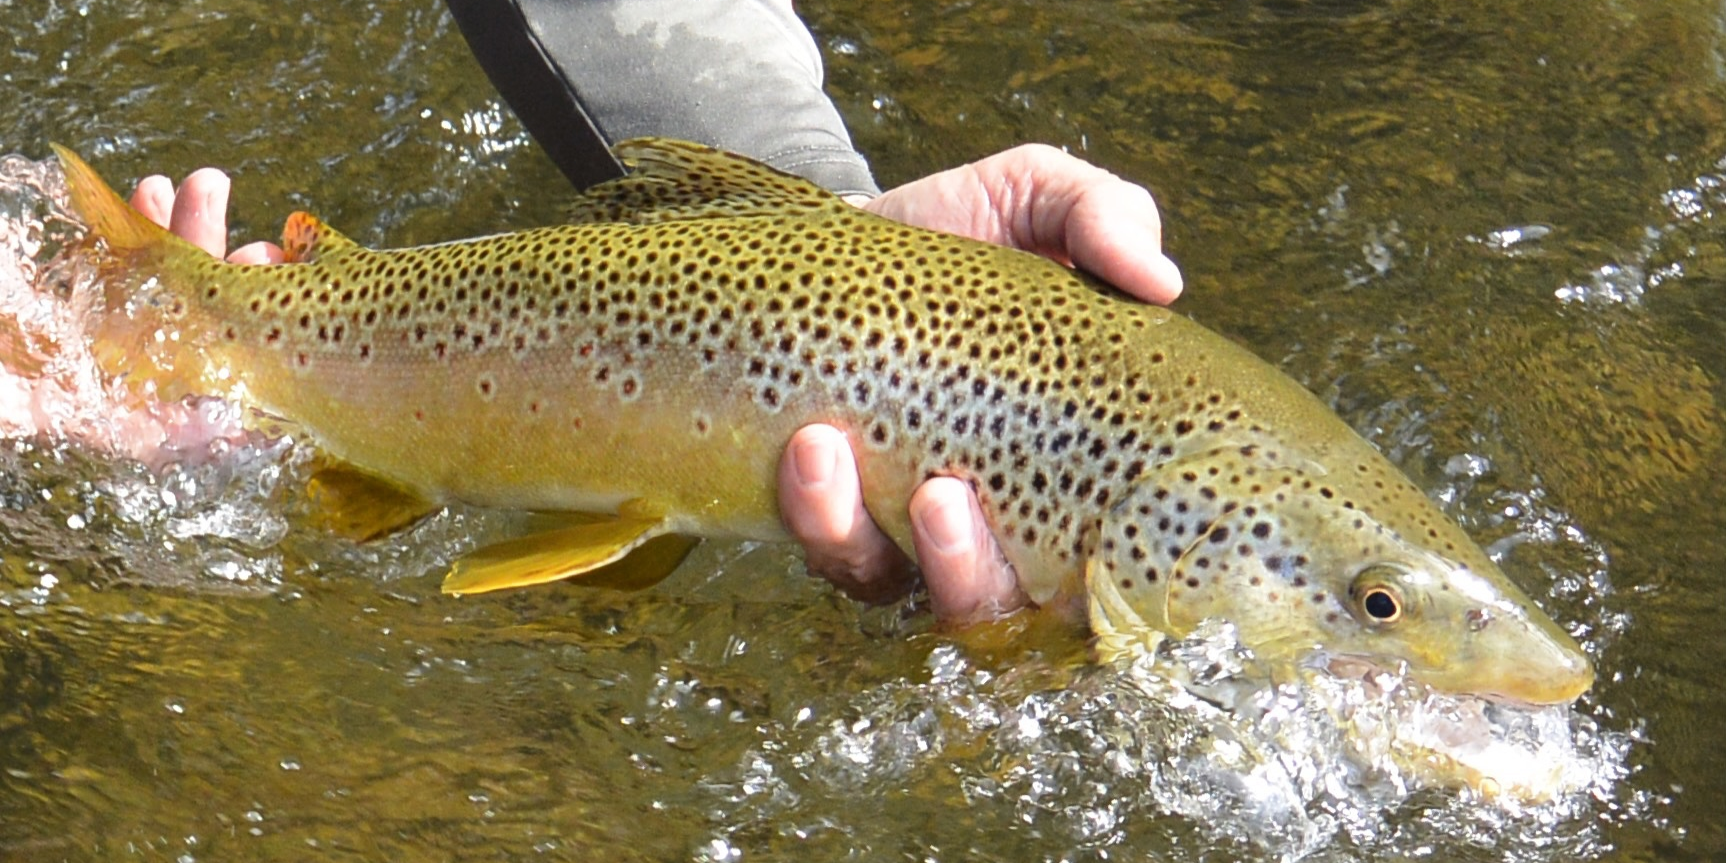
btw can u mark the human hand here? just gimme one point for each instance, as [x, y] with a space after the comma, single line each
[198, 212]
[1031, 197]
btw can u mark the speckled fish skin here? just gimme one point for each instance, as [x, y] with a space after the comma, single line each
[666, 344]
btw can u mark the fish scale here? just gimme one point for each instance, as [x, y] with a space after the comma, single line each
[652, 358]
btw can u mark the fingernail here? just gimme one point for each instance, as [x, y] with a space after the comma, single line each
[948, 527]
[814, 462]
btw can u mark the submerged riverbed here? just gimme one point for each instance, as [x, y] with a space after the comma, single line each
[1486, 234]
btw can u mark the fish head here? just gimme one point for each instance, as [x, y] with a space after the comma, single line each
[1307, 566]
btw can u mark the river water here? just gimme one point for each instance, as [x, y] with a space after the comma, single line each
[1485, 232]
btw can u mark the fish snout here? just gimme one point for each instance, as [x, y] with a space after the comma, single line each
[1521, 659]
[1560, 677]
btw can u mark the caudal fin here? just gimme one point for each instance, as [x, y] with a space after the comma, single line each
[125, 344]
[109, 217]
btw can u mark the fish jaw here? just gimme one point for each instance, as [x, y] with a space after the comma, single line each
[1514, 756]
[1302, 560]
[1508, 650]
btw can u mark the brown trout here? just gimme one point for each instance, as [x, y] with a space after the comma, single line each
[649, 360]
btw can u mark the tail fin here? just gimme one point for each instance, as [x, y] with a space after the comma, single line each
[123, 343]
[110, 218]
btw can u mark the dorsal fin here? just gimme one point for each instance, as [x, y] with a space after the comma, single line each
[305, 238]
[673, 180]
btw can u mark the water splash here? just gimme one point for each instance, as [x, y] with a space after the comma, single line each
[100, 483]
[1187, 751]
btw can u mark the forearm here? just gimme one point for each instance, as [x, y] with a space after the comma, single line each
[743, 76]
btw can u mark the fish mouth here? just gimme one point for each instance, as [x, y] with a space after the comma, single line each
[1504, 749]
[1394, 721]
[1519, 691]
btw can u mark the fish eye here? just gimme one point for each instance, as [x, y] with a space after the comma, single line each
[1376, 596]
[1381, 605]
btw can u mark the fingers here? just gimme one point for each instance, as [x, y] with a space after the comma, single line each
[200, 212]
[1057, 204]
[821, 500]
[154, 197]
[1041, 199]
[257, 253]
[968, 579]
[1110, 228]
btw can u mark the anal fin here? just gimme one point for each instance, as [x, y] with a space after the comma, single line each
[632, 550]
[357, 505]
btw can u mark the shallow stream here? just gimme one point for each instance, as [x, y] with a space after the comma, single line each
[1487, 233]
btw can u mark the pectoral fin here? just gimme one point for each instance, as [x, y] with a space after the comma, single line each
[625, 551]
[1120, 631]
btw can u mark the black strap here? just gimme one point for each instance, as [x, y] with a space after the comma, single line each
[524, 72]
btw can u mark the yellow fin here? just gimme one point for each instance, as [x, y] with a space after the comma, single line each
[558, 554]
[109, 217]
[646, 566]
[673, 180]
[358, 505]
[1120, 631]
[128, 344]
[305, 238]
